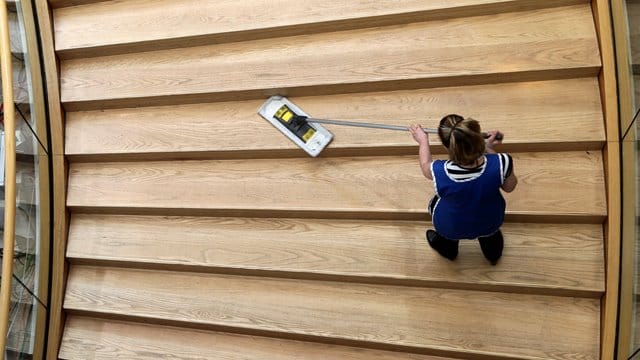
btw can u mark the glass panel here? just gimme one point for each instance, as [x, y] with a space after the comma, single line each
[635, 339]
[631, 163]
[25, 309]
[29, 278]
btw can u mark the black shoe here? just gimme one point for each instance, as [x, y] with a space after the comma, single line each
[492, 246]
[445, 247]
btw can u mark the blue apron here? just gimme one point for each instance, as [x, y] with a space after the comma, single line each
[468, 209]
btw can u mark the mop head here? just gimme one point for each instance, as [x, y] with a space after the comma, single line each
[292, 122]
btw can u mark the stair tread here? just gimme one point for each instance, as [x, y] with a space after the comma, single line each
[233, 127]
[86, 338]
[110, 26]
[538, 258]
[428, 320]
[559, 184]
[414, 54]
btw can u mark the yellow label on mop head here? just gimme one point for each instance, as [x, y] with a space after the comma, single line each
[308, 135]
[284, 113]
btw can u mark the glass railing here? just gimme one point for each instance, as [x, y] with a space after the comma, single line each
[30, 256]
[626, 17]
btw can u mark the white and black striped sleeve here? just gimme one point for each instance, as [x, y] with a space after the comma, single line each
[506, 165]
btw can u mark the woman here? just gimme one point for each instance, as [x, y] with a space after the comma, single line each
[468, 203]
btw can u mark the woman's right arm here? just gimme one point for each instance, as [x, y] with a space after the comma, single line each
[424, 152]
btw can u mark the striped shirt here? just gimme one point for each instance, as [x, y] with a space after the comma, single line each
[458, 173]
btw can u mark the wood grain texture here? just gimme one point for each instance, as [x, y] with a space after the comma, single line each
[443, 322]
[94, 338]
[59, 177]
[539, 258]
[415, 55]
[114, 27]
[530, 114]
[611, 156]
[566, 183]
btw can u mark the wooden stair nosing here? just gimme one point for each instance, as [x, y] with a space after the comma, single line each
[116, 37]
[87, 337]
[570, 326]
[422, 215]
[211, 129]
[414, 53]
[369, 251]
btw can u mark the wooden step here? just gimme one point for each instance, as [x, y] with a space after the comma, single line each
[532, 45]
[560, 259]
[115, 27]
[433, 321]
[87, 338]
[555, 187]
[235, 130]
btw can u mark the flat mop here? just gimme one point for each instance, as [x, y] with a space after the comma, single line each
[305, 131]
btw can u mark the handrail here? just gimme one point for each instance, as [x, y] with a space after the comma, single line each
[10, 177]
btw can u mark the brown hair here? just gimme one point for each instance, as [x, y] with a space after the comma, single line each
[462, 137]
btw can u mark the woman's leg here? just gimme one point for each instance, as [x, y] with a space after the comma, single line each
[492, 246]
[445, 247]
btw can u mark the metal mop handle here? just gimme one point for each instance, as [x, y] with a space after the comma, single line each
[380, 126]
[366, 125]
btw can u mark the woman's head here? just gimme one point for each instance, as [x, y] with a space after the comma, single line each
[462, 137]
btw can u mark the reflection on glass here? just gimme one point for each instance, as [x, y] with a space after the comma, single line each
[24, 311]
[27, 308]
[633, 12]
[635, 340]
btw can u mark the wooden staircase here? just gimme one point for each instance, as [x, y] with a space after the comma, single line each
[197, 230]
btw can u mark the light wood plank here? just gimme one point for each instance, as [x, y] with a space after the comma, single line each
[446, 322]
[55, 118]
[611, 155]
[113, 27]
[533, 115]
[532, 45]
[538, 258]
[559, 184]
[92, 338]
